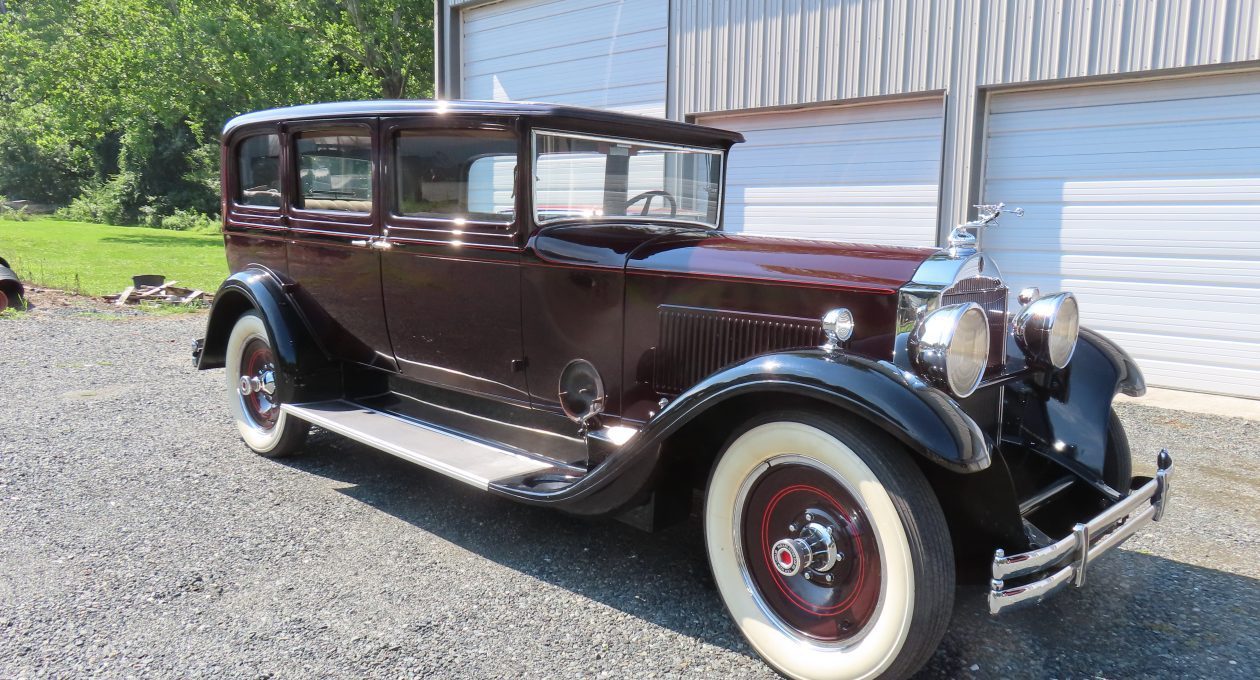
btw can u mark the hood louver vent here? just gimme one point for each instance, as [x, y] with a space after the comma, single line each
[696, 342]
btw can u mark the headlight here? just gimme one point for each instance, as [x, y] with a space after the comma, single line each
[951, 347]
[1046, 329]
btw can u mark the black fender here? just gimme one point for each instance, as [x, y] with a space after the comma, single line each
[1129, 378]
[1064, 415]
[10, 284]
[927, 420]
[307, 372]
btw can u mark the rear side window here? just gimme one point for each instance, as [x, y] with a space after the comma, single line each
[258, 171]
[457, 174]
[335, 170]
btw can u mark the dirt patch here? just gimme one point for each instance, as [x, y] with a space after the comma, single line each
[49, 301]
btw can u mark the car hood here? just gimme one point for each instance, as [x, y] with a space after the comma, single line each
[811, 263]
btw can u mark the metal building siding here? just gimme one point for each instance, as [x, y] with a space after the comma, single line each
[741, 54]
[599, 53]
[865, 173]
[1143, 199]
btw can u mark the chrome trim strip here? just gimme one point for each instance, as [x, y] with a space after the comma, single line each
[1086, 543]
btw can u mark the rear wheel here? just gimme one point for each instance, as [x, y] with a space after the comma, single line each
[251, 382]
[829, 548]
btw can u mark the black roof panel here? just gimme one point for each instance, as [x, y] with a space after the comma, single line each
[554, 113]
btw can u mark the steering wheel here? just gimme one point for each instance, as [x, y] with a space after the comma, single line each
[647, 204]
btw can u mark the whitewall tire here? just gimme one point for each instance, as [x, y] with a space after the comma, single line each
[828, 548]
[251, 386]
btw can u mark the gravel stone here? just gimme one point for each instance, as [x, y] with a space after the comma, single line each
[140, 538]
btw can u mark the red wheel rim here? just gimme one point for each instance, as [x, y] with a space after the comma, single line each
[4, 301]
[257, 364]
[828, 605]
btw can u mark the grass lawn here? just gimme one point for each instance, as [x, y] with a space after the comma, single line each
[95, 259]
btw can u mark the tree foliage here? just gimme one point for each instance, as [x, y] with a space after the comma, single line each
[123, 100]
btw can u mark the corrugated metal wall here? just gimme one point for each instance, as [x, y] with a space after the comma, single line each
[741, 54]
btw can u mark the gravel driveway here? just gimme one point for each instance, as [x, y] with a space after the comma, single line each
[139, 537]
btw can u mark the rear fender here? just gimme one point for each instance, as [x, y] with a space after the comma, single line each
[307, 371]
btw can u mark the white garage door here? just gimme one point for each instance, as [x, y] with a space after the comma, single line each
[866, 173]
[1144, 199]
[599, 53]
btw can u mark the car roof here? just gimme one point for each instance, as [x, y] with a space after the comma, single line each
[610, 122]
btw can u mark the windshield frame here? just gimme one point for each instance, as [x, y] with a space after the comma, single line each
[603, 219]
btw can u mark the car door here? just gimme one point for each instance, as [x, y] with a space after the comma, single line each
[334, 227]
[574, 264]
[254, 226]
[451, 275]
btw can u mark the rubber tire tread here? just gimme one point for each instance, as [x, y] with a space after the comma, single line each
[294, 430]
[921, 516]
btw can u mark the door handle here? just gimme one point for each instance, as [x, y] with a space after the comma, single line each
[359, 242]
[381, 244]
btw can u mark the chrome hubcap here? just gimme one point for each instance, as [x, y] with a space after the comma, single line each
[812, 550]
[264, 381]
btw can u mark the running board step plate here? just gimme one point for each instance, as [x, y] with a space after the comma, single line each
[467, 460]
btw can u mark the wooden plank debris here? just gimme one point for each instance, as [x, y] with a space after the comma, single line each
[167, 293]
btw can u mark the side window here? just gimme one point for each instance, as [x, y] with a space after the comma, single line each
[456, 174]
[258, 171]
[335, 170]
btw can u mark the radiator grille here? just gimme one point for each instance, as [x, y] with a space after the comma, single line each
[695, 342]
[991, 295]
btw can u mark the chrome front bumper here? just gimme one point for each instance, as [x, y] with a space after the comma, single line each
[1065, 562]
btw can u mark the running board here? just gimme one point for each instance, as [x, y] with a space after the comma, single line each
[470, 461]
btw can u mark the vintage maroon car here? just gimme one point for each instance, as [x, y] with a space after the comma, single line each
[540, 301]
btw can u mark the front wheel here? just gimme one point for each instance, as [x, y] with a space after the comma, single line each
[829, 548]
[251, 383]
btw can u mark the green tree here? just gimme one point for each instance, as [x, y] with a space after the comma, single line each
[125, 98]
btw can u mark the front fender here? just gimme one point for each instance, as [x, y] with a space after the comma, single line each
[307, 371]
[1064, 415]
[1129, 379]
[924, 418]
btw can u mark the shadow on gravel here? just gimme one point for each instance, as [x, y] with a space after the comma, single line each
[1138, 616]
[662, 578]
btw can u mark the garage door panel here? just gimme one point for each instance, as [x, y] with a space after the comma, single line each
[1172, 91]
[511, 14]
[1143, 199]
[1142, 270]
[1236, 191]
[629, 69]
[1147, 115]
[1220, 163]
[840, 154]
[598, 53]
[866, 174]
[1172, 136]
[869, 133]
[501, 60]
[873, 198]
[772, 121]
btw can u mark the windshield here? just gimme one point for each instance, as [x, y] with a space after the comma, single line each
[583, 177]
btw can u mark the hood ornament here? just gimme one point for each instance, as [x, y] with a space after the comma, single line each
[962, 240]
